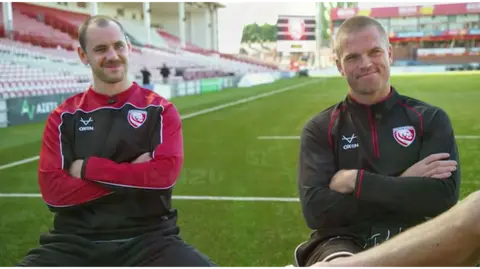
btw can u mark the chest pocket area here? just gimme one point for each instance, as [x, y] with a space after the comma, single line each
[120, 135]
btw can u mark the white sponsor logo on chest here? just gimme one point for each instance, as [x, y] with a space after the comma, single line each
[87, 125]
[350, 144]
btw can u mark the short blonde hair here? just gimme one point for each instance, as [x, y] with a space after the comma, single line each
[355, 24]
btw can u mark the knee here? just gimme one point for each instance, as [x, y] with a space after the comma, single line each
[472, 202]
[472, 212]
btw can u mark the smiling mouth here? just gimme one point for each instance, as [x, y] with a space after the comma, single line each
[367, 74]
[113, 67]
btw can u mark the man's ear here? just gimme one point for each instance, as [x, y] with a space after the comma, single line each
[82, 55]
[339, 67]
[129, 45]
[390, 53]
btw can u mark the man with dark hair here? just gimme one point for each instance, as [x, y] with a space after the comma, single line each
[165, 72]
[109, 159]
[451, 239]
[375, 163]
[146, 76]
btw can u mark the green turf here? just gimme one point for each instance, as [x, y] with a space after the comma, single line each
[223, 157]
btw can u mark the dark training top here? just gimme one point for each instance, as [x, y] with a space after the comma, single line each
[145, 76]
[381, 141]
[114, 199]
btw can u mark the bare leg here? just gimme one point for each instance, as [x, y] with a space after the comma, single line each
[451, 239]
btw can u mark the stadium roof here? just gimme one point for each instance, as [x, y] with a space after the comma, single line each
[407, 11]
[397, 3]
[171, 6]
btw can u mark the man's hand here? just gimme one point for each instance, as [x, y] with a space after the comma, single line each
[432, 166]
[344, 181]
[76, 169]
[145, 157]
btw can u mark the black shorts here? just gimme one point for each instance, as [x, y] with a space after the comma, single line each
[153, 249]
[315, 251]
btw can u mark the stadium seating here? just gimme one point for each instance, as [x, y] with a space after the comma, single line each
[25, 71]
[38, 33]
[64, 21]
[41, 58]
[138, 31]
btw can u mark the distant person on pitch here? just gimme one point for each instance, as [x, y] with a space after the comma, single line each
[165, 72]
[146, 78]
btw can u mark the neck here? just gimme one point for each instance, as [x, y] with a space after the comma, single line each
[370, 98]
[110, 89]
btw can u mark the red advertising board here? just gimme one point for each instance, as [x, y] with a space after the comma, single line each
[407, 11]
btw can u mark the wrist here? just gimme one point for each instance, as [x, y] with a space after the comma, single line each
[353, 176]
[358, 183]
[83, 170]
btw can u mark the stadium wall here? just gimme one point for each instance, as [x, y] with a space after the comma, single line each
[107, 8]
[27, 109]
[197, 28]
[200, 31]
[403, 70]
[169, 23]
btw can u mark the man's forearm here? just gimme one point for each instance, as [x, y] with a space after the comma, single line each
[417, 195]
[158, 174]
[325, 209]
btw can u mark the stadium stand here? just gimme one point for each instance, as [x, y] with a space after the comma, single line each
[27, 70]
[40, 56]
[439, 34]
[138, 31]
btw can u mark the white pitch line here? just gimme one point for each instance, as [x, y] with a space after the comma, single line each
[278, 137]
[183, 197]
[230, 198]
[194, 114]
[8, 165]
[467, 137]
[245, 100]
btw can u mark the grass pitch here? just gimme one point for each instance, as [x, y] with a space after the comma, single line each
[224, 157]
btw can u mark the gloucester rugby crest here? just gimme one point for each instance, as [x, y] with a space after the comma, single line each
[296, 28]
[136, 118]
[404, 135]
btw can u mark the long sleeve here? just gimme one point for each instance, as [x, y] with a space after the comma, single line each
[426, 197]
[158, 174]
[59, 189]
[322, 207]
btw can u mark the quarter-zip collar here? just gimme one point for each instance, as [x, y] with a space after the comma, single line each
[381, 107]
[106, 100]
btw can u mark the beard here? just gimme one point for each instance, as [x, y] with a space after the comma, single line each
[108, 76]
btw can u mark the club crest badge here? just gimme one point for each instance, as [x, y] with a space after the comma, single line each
[296, 28]
[136, 118]
[404, 135]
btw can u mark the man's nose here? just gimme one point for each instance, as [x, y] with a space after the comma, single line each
[365, 61]
[111, 54]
